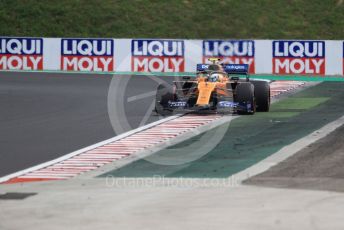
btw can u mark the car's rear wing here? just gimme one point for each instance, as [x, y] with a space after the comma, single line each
[236, 68]
[228, 68]
[202, 67]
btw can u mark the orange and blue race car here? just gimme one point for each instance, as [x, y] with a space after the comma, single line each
[225, 88]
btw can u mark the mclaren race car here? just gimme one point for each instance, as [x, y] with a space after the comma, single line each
[224, 88]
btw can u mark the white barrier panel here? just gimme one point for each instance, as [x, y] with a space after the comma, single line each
[280, 57]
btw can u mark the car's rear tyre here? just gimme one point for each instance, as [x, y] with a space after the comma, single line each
[262, 95]
[244, 95]
[164, 94]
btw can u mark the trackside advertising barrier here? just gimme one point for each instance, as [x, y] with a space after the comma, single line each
[157, 56]
[277, 57]
[87, 55]
[230, 51]
[298, 57]
[21, 53]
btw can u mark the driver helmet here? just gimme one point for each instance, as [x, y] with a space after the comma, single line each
[214, 77]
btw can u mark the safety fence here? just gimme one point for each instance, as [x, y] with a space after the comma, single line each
[315, 58]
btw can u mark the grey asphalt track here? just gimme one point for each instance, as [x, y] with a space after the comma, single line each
[46, 115]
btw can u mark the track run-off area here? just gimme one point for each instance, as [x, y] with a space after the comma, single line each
[133, 169]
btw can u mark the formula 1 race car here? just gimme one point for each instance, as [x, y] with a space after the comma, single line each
[224, 88]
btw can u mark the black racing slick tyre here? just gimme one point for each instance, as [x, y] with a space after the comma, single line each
[262, 95]
[164, 93]
[244, 95]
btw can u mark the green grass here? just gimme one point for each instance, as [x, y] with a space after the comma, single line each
[264, 19]
[300, 103]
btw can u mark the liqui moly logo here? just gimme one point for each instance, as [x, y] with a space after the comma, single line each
[343, 58]
[21, 53]
[298, 57]
[157, 56]
[87, 55]
[230, 51]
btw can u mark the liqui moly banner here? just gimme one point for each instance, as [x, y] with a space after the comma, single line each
[279, 57]
[230, 51]
[298, 57]
[87, 55]
[21, 53]
[157, 56]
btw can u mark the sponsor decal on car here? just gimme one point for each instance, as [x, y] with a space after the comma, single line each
[177, 103]
[228, 104]
[298, 57]
[343, 58]
[230, 51]
[157, 56]
[21, 53]
[87, 55]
